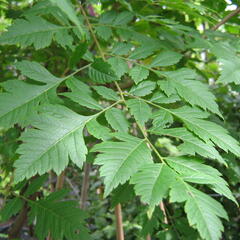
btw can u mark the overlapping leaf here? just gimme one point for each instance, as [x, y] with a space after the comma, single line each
[206, 130]
[203, 212]
[120, 160]
[140, 110]
[81, 94]
[192, 170]
[117, 120]
[152, 182]
[102, 72]
[191, 143]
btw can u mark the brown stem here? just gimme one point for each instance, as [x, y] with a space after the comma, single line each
[119, 224]
[148, 237]
[60, 181]
[162, 207]
[85, 186]
[51, 180]
[225, 19]
[15, 230]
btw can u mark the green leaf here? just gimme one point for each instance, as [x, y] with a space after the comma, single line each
[63, 219]
[35, 31]
[144, 51]
[77, 54]
[166, 58]
[121, 48]
[47, 148]
[159, 97]
[229, 62]
[230, 70]
[123, 18]
[191, 144]
[161, 119]
[193, 91]
[143, 88]
[80, 95]
[117, 120]
[120, 160]
[35, 184]
[101, 72]
[140, 110]
[207, 130]
[122, 194]
[11, 208]
[192, 170]
[36, 72]
[104, 32]
[16, 107]
[97, 130]
[152, 182]
[106, 93]
[68, 9]
[203, 212]
[138, 73]
[119, 66]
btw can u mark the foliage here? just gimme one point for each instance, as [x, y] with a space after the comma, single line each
[145, 92]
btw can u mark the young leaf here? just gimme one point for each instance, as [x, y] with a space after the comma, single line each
[166, 58]
[101, 72]
[143, 88]
[117, 120]
[138, 73]
[80, 95]
[121, 48]
[123, 18]
[104, 32]
[161, 119]
[140, 110]
[119, 66]
[47, 148]
[159, 97]
[97, 130]
[35, 31]
[144, 51]
[16, 107]
[149, 182]
[191, 144]
[106, 93]
[120, 160]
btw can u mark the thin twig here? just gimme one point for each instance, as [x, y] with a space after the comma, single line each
[225, 19]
